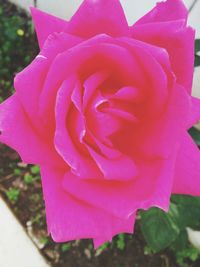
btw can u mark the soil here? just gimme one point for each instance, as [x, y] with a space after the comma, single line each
[20, 187]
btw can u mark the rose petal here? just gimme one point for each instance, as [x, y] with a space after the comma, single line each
[128, 93]
[96, 17]
[29, 82]
[122, 168]
[17, 132]
[123, 226]
[177, 40]
[167, 131]
[81, 165]
[187, 170]
[152, 62]
[165, 11]
[159, 54]
[91, 85]
[46, 24]
[152, 188]
[81, 54]
[70, 219]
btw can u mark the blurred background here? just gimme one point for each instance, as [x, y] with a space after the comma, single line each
[24, 241]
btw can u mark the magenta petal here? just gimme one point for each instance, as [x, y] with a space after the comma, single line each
[187, 170]
[76, 57]
[170, 126]
[165, 11]
[91, 85]
[120, 226]
[177, 40]
[81, 165]
[46, 24]
[122, 168]
[70, 219]
[124, 198]
[17, 132]
[128, 93]
[97, 17]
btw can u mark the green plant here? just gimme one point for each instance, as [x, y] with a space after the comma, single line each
[189, 253]
[37, 219]
[121, 242]
[168, 230]
[44, 240]
[65, 247]
[35, 170]
[197, 50]
[17, 172]
[28, 178]
[148, 250]
[195, 134]
[13, 194]
[17, 47]
[102, 248]
[158, 228]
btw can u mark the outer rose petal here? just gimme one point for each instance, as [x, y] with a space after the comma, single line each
[29, 82]
[121, 226]
[165, 11]
[46, 24]
[168, 129]
[177, 40]
[99, 16]
[165, 26]
[187, 170]
[152, 188]
[70, 219]
[17, 132]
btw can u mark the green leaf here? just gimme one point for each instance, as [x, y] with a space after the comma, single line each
[195, 134]
[158, 229]
[28, 178]
[197, 50]
[35, 169]
[197, 46]
[13, 194]
[189, 211]
[197, 61]
[121, 241]
[181, 241]
[190, 253]
[65, 247]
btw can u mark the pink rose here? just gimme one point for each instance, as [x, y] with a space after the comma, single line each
[104, 110]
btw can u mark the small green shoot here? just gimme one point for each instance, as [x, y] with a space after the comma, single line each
[35, 170]
[28, 178]
[65, 247]
[13, 195]
[121, 242]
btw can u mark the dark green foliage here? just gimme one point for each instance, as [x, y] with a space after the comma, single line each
[195, 134]
[17, 47]
[168, 230]
[197, 51]
[159, 228]
[13, 194]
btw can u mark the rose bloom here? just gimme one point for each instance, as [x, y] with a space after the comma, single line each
[104, 110]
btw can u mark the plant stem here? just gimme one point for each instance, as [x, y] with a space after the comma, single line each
[192, 5]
